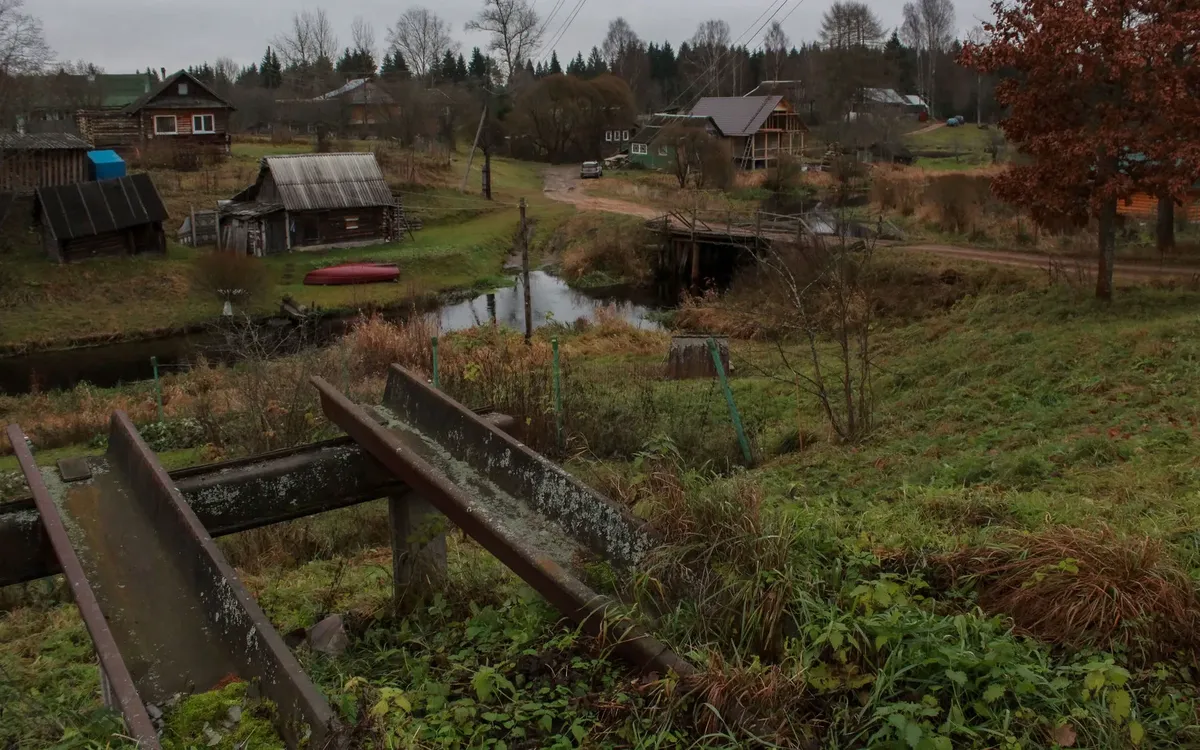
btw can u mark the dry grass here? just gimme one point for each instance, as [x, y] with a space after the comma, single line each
[897, 189]
[604, 244]
[1087, 588]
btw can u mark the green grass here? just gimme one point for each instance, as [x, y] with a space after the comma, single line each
[968, 137]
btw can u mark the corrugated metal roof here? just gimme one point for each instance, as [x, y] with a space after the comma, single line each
[655, 123]
[309, 182]
[358, 91]
[86, 209]
[737, 116]
[41, 142]
[884, 96]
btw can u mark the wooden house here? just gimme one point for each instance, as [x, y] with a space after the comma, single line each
[93, 219]
[29, 161]
[311, 201]
[652, 146]
[1145, 206]
[180, 112]
[759, 129]
[363, 106]
[65, 100]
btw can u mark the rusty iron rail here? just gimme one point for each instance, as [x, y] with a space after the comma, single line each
[474, 474]
[227, 497]
[176, 610]
[112, 665]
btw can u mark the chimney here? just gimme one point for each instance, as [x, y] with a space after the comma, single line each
[164, 73]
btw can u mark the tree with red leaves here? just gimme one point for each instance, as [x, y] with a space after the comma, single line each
[1105, 99]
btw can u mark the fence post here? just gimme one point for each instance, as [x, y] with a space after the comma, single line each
[157, 388]
[733, 410]
[558, 408]
[437, 379]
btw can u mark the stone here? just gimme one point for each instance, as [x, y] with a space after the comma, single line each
[329, 636]
[154, 711]
[235, 714]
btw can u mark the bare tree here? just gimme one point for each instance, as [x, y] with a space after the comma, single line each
[362, 36]
[710, 45]
[851, 24]
[776, 44]
[929, 27]
[226, 70]
[311, 38]
[23, 51]
[619, 38]
[515, 31]
[423, 38]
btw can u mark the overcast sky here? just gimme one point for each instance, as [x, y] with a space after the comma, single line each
[126, 35]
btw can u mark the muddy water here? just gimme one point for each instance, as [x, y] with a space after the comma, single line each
[155, 613]
[111, 364]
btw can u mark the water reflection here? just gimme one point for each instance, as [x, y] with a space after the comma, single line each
[553, 301]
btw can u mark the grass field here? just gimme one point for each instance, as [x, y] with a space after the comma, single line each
[1010, 557]
[464, 245]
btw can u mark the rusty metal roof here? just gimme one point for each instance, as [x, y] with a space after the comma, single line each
[86, 209]
[42, 142]
[311, 182]
[737, 116]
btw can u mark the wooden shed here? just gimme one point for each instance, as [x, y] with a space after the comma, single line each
[32, 161]
[312, 201]
[93, 219]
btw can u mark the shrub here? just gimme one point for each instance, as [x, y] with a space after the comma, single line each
[956, 201]
[232, 276]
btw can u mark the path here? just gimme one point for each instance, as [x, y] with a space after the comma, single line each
[563, 184]
[928, 129]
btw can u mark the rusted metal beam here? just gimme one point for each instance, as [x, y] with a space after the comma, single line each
[485, 455]
[227, 498]
[115, 673]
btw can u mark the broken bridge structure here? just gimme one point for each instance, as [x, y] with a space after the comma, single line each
[168, 614]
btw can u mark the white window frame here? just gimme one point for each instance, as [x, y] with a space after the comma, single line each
[174, 120]
[183, 88]
[664, 151]
[202, 130]
[640, 149]
[608, 136]
[624, 135]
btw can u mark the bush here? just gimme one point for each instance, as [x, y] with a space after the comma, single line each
[896, 190]
[956, 201]
[232, 276]
[786, 176]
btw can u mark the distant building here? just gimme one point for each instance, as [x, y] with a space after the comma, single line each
[893, 101]
[758, 129]
[652, 146]
[94, 219]
[181, 112]
[63, 97]
[32, 161]
[362, 104]
[311, 201]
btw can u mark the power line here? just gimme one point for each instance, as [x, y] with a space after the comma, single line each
[563, 29]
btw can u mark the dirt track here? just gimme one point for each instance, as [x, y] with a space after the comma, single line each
[563, 184]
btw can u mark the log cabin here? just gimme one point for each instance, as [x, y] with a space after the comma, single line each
[180, 113]
[311, 202]
[105, 218]
[759, 129]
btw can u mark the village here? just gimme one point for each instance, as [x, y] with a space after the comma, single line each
[504, 377]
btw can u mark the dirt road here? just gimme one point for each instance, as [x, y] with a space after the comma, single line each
[563, 184]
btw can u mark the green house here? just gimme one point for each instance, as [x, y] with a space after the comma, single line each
[651, 147]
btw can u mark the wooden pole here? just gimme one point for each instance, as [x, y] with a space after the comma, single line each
[525, 276]
[475, 145]
[695, 256]
[192, 209]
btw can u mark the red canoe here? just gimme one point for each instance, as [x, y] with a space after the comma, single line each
[353, 273]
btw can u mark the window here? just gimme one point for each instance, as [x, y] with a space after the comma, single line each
[183, 89]
[351, 222]
[165, 125]
[664, 151]
[203, 124]
[608, 136]
[624, 135]
[640, 148]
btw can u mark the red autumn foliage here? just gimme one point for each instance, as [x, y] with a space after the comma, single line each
[1094, 83]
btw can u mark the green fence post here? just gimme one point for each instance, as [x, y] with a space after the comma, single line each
[437, 380]
[558, 416]
[157, 388]
[733, 410]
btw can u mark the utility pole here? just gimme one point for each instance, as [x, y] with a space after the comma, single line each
[487, 170]
[525, 277]
[471, 156]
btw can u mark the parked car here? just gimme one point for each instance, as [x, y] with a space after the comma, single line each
[591, 169]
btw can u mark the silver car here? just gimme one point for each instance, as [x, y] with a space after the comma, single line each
[591, 169]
